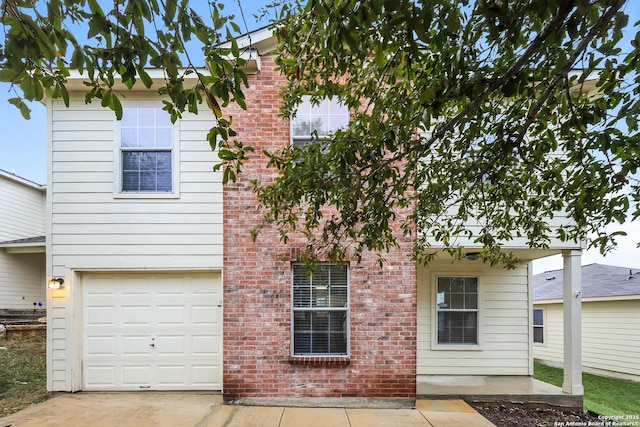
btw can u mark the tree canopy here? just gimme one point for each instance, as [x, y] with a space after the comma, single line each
[499, 114]
[490, 118]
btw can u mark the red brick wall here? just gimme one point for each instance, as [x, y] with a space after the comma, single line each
[257, 291]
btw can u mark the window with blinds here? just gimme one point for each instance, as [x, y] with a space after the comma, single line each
[320, 310]
[457, 310]
[146, 144]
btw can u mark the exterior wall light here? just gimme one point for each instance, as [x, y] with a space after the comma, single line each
[56, 283]
[473, 255]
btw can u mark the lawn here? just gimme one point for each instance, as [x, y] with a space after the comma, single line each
[602, 395]
[23, 374]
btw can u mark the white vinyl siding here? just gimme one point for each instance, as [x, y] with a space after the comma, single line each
[95, 227]
[93, 230]
[23, 209]
[22, 270]
[22, 281]
[610, 340]
[503, 322]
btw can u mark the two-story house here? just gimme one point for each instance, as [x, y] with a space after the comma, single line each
[164, 289]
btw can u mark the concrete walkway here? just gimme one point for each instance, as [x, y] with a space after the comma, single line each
[207, 410]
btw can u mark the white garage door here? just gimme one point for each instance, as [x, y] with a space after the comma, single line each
[152, 331]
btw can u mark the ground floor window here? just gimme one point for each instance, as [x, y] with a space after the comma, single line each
[457, 310]
[320, 310]
[538, 325]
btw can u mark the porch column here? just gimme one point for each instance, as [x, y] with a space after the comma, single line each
[572, 299]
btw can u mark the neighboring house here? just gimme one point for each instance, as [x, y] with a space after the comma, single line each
[164, 289]
[22, 231]
[610, 320]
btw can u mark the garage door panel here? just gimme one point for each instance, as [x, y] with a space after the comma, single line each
[170, 374]
[208, 315]
[101, 346]
[136, 345]
[99, 315]
[152, 331]
[167, 345]
[205, 345]
[136, 315]
[103, 376]
[175, 315]
[205, 376]
[137, 375]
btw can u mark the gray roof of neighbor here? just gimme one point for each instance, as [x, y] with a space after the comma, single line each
[37, 239]
[597, 281]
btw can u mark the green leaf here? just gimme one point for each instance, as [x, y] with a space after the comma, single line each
[20, 104]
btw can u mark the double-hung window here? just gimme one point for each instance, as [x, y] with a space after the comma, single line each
[538, 326]
[317, 120]
[146, 149]
[457, 310]
[320, 310]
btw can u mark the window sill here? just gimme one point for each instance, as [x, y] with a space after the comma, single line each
[146, 195]
[320, 360]
[456, 347]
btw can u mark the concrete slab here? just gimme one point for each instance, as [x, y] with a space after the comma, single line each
[314, 417]
[444, 406]
[246, 416]
[499, 389]
[451, 413]
[386, 418]
[140, 409]
[157, 409]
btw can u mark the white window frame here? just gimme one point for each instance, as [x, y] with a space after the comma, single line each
[434, 313]
[542, 326]
[315, 112]
[118, 192]
[346, 310]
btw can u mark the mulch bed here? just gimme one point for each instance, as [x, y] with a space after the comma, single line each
[503, 416]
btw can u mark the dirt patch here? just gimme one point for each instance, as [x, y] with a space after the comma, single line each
[503, 416]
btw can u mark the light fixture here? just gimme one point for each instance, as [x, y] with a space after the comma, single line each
[473, 255]
[56, 283]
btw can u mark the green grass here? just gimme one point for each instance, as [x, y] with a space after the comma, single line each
[602, 395]
[23, 374]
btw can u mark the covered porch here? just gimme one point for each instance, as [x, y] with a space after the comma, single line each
[496, 390]
[499, 371]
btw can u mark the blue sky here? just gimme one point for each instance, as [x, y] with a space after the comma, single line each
[23, 151]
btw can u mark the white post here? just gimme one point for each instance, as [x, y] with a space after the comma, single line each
[572, 300]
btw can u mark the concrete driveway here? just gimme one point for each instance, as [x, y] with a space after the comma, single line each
[206, 410]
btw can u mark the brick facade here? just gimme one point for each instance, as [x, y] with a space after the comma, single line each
[257, 291]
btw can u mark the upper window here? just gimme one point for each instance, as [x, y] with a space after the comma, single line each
[320, 120]
[457, 310]
[146, 146]
[538, 325]
[320, 310]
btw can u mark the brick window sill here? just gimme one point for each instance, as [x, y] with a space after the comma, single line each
[320, 360]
